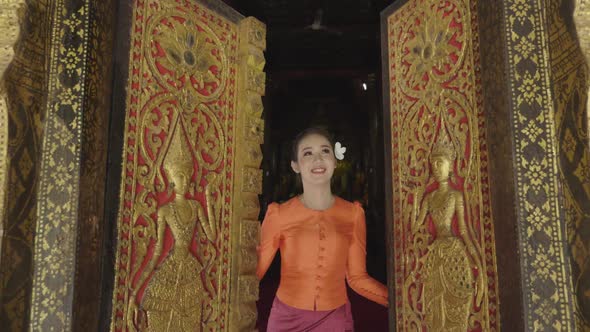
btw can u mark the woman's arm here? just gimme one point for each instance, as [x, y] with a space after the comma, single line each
[270, 236]
[356, 273]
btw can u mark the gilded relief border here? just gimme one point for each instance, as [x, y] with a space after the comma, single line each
[58, 190]
[248, 180]
[546, 278]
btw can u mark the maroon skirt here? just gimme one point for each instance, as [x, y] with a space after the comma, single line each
[284, 318]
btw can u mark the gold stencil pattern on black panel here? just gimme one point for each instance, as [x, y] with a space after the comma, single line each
[547, 284]
[58, 190]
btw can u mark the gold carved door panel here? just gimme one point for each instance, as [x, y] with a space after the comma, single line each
[443, 245]
[186, 226]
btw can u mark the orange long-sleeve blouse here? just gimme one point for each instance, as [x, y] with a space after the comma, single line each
[319, 250]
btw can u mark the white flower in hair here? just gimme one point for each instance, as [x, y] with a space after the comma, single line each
[339, 151]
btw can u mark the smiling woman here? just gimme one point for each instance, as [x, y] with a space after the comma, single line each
[322, 240]
[313, 159]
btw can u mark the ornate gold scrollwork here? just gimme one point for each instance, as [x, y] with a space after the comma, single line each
[443, 232]
[185, 54]
[187, 148]
[180, 258]
[176, 298]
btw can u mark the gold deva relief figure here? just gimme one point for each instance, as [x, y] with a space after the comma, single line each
[448, 281]
[179, 295]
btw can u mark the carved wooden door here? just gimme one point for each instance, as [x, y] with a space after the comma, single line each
[188, 203]
[439, 220]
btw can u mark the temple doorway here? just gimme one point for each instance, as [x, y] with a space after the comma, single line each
[324, 69]
[350, 113]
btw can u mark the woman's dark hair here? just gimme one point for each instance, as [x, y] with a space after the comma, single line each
[309, 131]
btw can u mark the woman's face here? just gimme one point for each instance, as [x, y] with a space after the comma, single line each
[441, 167]
[315, 160]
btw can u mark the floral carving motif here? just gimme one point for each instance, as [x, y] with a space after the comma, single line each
[187, 53]
[433, 46]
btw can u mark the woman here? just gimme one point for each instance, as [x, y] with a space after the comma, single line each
[322, 241]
